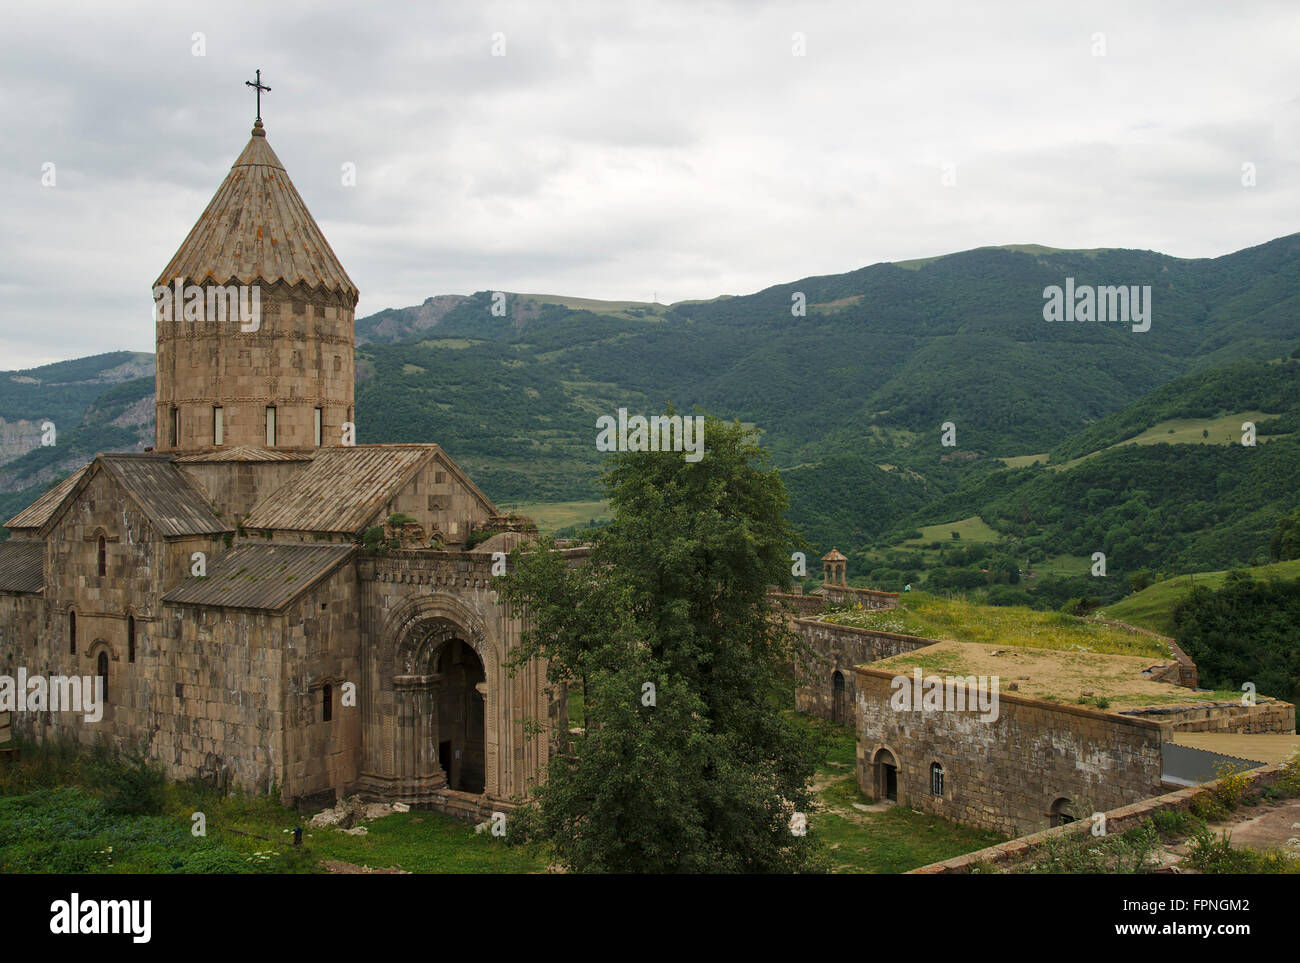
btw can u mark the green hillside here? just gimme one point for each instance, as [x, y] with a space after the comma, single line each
[1153, 607]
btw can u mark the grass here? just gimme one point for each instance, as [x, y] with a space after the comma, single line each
[54, 819]
[551, 516]
[957, 620]
[1223, 430]
[971, 529]
[1153, 607]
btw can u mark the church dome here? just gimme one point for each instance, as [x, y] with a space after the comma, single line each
[257, 229]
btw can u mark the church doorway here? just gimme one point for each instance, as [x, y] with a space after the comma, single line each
[461, 734]
[885, 775]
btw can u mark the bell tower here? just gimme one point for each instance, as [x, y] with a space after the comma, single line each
[255, 316]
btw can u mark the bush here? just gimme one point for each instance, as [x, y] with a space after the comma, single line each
[132, 783]
[1231, 786]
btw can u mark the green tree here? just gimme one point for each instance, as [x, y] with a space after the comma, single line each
[1285, 543]
[687, 762]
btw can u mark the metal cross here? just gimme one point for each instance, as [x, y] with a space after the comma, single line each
[259, 87]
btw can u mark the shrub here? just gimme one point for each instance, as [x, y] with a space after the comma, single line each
[1231, 786]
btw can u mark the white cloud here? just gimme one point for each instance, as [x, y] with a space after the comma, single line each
[618, 150]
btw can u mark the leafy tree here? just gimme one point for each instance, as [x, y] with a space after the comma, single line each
[1285, 543]
[687, 763]
[1244, 632]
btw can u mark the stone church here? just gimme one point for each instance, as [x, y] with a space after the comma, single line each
[268, 604]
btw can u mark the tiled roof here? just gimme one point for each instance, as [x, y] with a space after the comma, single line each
[257, 228]
[341, 490]
[176, 507]
[22, 566]
[260, 576]
[246, 453]
[39, 512]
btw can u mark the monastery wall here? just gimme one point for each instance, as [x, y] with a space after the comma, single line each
[1006, 774]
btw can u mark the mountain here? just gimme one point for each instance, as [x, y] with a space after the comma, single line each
[100, 403]
[850, 394]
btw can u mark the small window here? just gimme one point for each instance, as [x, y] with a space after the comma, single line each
[318, 427]
[72, 633]
[218, 425]
[176, 427]
[936, 779]
[130, 638]
[103, 675]
[270, 426]
[103, 556]
[327, 703]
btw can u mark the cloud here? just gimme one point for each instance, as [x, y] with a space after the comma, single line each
[627, 150]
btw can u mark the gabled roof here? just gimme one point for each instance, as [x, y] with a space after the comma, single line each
[257, 228]
[22, 566]
[175, 506]
[246, 453]
[344, 487]
[35, 515]
[261, 576]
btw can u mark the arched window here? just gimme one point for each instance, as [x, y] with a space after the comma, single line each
[102, 667]
[936, 779]
[103, 556]
[130, 638]
[327, 703]
[72, 633]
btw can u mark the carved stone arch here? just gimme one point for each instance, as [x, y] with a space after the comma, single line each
[414, 659]
[101, 645]
[411, 649]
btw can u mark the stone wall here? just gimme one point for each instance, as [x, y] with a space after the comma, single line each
[1117, 821]
[323, 648]
[234, 487]
[838, 648]
[300, 358]
[1268, 715]
[1006, 774]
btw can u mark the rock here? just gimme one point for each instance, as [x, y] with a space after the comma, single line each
[401, 808]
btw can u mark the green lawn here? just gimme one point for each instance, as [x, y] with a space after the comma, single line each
[551, 516]
[68, 830]
[1153, 607]
[971, 529]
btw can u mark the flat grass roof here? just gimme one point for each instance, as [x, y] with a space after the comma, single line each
[1111, 682]
[957, 620]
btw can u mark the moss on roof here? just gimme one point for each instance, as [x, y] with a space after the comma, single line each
[932, 617]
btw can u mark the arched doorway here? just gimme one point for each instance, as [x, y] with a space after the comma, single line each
[837, 697]
[1062, 812]
[885, 775]
[459, 694]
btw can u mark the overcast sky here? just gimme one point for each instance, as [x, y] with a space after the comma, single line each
[630, 150]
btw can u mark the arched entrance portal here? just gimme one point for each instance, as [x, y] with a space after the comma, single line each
[885, 775]
[459, 693]
[443, 730]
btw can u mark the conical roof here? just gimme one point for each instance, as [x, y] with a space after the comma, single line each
[257, 228]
